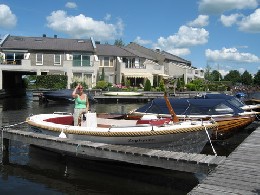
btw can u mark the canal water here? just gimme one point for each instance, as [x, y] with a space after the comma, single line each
[32, 170]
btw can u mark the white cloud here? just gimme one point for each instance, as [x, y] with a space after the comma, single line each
[230, 20]
[186, 37]
[81, 26]
[7, 18]
[71, 5]
[141, 41]
[179, 51]
[223, 72]
[180, 42]
[251, 23]
[220, 6]
[231, 55]
[107, 17]
[200, 21]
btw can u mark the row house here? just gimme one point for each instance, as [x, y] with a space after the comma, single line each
[45, 55]
[85, 59]
[174, 66]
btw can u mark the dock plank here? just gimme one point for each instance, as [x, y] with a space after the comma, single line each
[239, 173]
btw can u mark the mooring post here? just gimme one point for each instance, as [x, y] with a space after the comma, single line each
[5, 150]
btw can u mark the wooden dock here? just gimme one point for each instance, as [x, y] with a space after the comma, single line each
[240, 172]
[187, 162]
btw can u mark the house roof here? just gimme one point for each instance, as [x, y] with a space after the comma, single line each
[139, 54]
[112, 50]
[156, 54]
[172, 57]
[47, 43]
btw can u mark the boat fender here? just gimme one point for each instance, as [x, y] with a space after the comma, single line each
[62, 135]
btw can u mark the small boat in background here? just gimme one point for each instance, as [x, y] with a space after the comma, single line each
[63, 95]
[122, 93]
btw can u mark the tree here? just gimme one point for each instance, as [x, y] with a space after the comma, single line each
[207, 74]
[147, 86]
[102, 78]
[233, 76]
[257, 78]
[119, 42]
[246, 78]
[216, 76]
[161, 85]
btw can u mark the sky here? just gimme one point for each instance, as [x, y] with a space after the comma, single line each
[221, 34]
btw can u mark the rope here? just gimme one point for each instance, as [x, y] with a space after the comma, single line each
[210, 142]
[2, 140]
[77, 149]
[186, 108]
[13, 125]
[5, 127]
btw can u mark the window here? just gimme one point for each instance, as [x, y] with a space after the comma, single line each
[39, 59]
[14, 58]
[129, 63]
[106, 62]
[57, 59]
[81, 60]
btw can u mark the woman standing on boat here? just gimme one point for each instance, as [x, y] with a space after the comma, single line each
[81, 103]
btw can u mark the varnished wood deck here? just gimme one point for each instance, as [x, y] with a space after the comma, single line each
[180, 161]
[240, 172]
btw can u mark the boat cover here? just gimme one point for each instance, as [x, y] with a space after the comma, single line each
[64, 95]
[188, 106]
[231, 99]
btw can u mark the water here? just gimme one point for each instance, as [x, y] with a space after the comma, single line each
[32, 170]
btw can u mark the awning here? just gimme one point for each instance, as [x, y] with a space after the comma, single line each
[164, 75]
[138, 75]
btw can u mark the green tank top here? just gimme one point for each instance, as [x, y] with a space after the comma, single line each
[79, 103]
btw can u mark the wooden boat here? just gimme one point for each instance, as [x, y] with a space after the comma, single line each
[184, 136]
[122, 93]
[229, 117]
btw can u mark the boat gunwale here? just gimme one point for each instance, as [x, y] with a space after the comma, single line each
[154, 129]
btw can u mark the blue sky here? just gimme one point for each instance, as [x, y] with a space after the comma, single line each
[224, 34]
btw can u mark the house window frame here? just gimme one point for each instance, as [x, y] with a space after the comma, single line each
[39, 62]
[82, 60]
[109, 61]
[58, 62]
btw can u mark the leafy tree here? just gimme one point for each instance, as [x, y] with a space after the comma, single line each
[147, 85]
[161, 85]
[127, 84]
[233, 76]
[207, 74]
[119, 42]
[257, 78]
[102, 78]
[246, 78]
[216, 76]
[102, 85]
[123, 80]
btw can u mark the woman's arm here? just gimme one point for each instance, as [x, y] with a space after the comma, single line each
[74, 93]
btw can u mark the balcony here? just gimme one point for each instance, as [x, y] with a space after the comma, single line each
[10, 62]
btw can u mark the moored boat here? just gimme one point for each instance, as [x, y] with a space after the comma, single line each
[122, 93]
[229, 117]
[184, 136]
